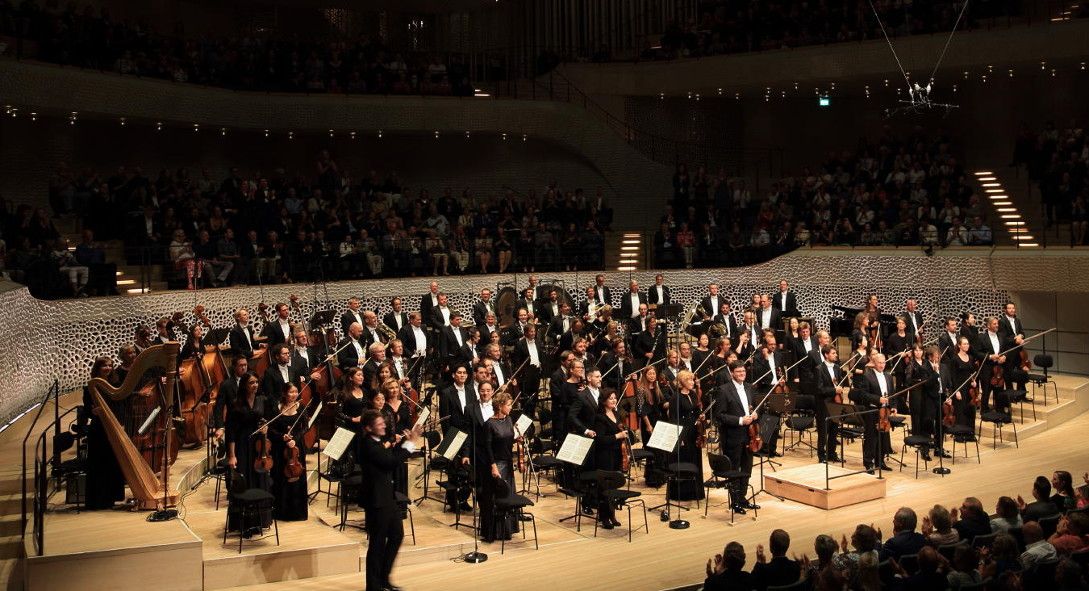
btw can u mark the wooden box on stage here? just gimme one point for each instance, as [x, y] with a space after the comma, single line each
[806, 485]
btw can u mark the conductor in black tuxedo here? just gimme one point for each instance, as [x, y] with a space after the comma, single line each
[734, 413]
[384, 528]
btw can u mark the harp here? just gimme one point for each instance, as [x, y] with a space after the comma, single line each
[148, 487]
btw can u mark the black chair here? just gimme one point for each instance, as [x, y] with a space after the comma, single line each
[219, 472]
[920, 443]
[948, 550]
[541, 463]
[347, 489]
[509, 504]
[406, 505]
[1040, 577]
[964, 435]
[723, 476]
[846, 433]
[1044, 362]
[1049, 525]
[609, 487]
[799, 585]
[334, 472]
[984, 540]
[72, 471]
[432, 439]
[799, 425]
[640, 456]
[998, 421]
[678, 472]
[910, 563]
[244, 502]
[1020, 397]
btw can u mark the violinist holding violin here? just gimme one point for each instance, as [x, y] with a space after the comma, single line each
[831, 387]
[734, 413]
[1011, 330]
[611, 448]
[963, 366]
[873, 393]
[496, 455]
[769, 365]
[987, 350]
[248, 447]
[684, 410]
[285, 432]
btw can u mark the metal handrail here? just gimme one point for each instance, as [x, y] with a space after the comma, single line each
[54, 392]
[42, 462]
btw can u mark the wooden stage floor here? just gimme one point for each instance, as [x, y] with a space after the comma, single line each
[662, 559]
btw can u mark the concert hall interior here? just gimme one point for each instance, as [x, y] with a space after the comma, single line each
[606, 294]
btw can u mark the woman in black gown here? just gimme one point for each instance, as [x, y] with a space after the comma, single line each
[610, 436]
[251, 410]
[499, 438]
[105, 481]
[353, 401]
[398, 416]
[964, 367]
[648, 407]
[896, 343]
[286, 433]
[683, 412]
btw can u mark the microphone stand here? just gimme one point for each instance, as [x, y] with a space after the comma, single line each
[476, 556]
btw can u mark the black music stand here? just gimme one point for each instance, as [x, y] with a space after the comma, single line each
[793, 402]
[216, 336]
[445, 450]
[767, 430]
[570, 453]
[323, 317]
[851, 414]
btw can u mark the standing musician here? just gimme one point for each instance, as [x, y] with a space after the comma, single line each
[578, 345]
[528, 302]
[917, 370]
[786, 301]
[353, 352]
[610, 441]
[988, 348]
[807, 345]
[571, 408]
[304, 356]
[529, 348]
[750, 327]
[352, 401]
[371, 333]
[914, 318]
[638, 323]
[1012, 331]
[630, 303]
[251, 409]
[938, 388]
[285, 432]
[602, 295]
[649, 345]
[278, 374]
[228, 392]
[501, 372]
[602, 341]
[517, 329]
[963, 366]
[279, 329]
[453, 402]
[375, 359]
[105, 481]
[711, 303]
[396, 318]
[768, 316]
[480, 411]
[658, 294]
[483, 306]
[535, 293]
[899, 341]
[874, 393]
[441, 314]
[562, 322]
[243, 341]
[413, 336]
[428, 303]
[648, 409]
[553, 308]
[672, 366]
[770, 362]
[488, 328]
[354, 313]
[948, 339]
[683, 410]
[684, 356]
[585, 397]
[734, 413]
[726, 318]
[385, 530]
[831, 383]
[164, 331]
[968, 326]
[589, 306]
[560, 404]
[399, 364]
[452, 342]
[496, 459]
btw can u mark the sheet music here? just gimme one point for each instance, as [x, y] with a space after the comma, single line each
[574, 449]
[523, 424]
[454, 447]
[425, 413]
[665, 436]
[338, 443]
[314, 417]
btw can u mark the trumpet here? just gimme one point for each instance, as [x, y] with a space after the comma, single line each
[388, 332]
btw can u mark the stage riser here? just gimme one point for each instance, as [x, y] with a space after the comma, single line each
[806, 485]
[166, 568]
[280, 566]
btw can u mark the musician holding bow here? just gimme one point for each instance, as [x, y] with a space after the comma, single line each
[736, 400]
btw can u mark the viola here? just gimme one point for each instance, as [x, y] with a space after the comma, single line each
[262, 461]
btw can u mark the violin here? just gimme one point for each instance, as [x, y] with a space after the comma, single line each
[883, 423]
[755, 440]
[293, 468]
[625, 451]
[973, 395]
[948, 416]
[262, 461]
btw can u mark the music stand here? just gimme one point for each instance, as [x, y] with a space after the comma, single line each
[850, 414]
[573, 451]
[452, 441]
[323, 317]
[216, 336]
[794, 403]
[768, 429]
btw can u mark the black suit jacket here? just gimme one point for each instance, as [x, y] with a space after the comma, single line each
[652, 295]
[626, 305]
[780, 570]
[580, 416]
[1037, 510]
[918, 322]
[486, 335]
[826, 388]
[273, 332]
[608, 295]
[775, 323]
[408, 338]
[635, 325]
[426, 307]
[905, 542]
[346, 320]
[379, 464]
[272, 384]
[370, 337]
[949, 345]
[791, 308]
[646, 342]
[303, 366]
[1004, 329]
[728, 411]
[729, 321]
[545, 314]
[437, 321]
[451, 352]
[982, 348]
[450, 406]
[239, 344]
[712, 310]
[870, 393]
[390, 320]
[524, 305]
[760, 366]
[480, 312]
[511, 334]
[228, 391]
[347, 357]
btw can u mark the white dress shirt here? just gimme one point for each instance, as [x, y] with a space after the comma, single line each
[765, 318]
[498, 371]
[739, 387]
[461, 396]
[421, 340]
[995, 346]
[445, 311]
[285, 372]
[359, 354]
[534, 356]
[882, 383]
[457, 335]
[771, 365]
[783, 301]
[634, 304]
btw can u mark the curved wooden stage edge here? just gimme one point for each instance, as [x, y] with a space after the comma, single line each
[120, 550]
